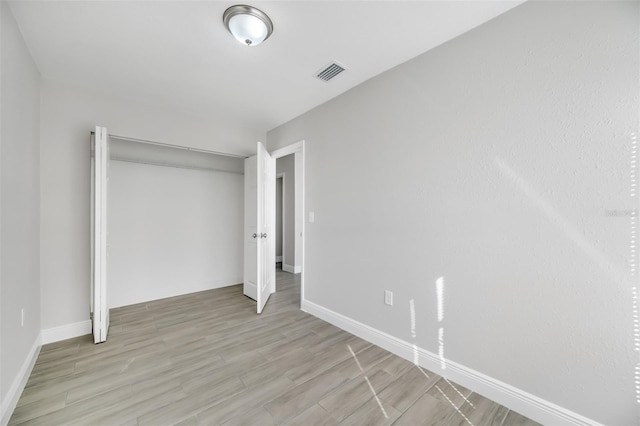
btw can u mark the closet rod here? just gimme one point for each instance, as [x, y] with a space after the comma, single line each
[153, 163]
[168, 145]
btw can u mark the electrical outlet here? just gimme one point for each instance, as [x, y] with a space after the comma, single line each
[388, 298]
[22, 317]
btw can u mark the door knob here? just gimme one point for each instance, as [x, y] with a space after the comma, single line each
[255, 235]
[263, 235]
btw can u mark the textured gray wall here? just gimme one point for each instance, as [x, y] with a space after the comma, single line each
[493, 161]
[20, 201]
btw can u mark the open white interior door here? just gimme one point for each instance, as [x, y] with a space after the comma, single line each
[99, 183]
[250, 286]
[260, 244]
[266, 226]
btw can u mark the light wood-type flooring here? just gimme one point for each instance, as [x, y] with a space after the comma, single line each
[207, 358]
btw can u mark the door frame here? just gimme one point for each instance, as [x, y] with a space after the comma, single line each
[297, 148]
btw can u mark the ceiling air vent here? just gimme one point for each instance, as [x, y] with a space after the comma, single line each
[330, 71]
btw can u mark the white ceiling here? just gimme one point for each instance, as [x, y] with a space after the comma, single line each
[178, 53]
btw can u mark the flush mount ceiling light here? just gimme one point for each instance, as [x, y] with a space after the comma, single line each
[250, 26]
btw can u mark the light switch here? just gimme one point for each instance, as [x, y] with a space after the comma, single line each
[388, 298]
[312, 217]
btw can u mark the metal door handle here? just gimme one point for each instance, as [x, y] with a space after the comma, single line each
[255, 235]
[264, 235]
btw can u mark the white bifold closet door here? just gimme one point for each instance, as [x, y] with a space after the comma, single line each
[99, 235]
[260, 243]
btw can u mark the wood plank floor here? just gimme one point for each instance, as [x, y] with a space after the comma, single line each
[207, 358]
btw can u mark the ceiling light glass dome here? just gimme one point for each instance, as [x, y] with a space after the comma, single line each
[250, 26]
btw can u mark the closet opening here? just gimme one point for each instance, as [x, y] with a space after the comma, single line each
[175, 221]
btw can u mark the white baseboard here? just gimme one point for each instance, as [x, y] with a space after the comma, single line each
[67, 331]
[278, 259]
[520, 401]
[15, 391]
[292, 269]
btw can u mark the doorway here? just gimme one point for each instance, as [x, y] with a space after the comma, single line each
[279, 219]
[292, 168]
[260, 223]
[285, 173]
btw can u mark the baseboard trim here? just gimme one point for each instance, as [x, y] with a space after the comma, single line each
[292, 269]
[287, 268]
[67, 331]
[529, 405]
[20, 381]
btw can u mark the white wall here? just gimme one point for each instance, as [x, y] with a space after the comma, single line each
[286, 165]
[20, 209]
[68, 114]
[172, 231]
[490, 161]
